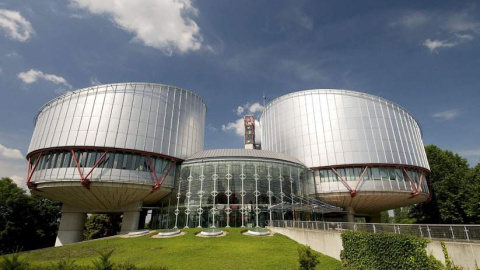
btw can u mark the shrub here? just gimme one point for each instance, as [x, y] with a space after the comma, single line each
[363, 250]
[65, 264]
[307, 258]
[104, 263]
[126, 266]
[12, 262]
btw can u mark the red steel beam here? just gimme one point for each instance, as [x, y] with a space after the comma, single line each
[85, 182]
[414, 187]
[31, 171]
[354, 191]
[152, 168]
[343, 181]
[96, 164]
[159, 184]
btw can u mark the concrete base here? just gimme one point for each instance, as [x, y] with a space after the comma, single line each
[71, 226]
[131, 217]
[350, 214]
[464, 254]
[326, 242]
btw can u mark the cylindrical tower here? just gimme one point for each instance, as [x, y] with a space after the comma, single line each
[366, 152]
[111, 147]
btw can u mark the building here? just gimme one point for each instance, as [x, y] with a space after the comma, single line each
[129, 147]
[366, 152]
[112, 148]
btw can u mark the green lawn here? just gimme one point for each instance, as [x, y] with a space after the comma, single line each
[234, 251]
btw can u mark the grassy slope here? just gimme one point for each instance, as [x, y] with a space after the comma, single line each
[234, 251]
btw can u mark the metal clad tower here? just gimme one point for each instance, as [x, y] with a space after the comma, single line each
[112, 148]
[366, 152]
[249, 123]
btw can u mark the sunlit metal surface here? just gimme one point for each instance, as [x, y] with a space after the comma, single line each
[328, 127]
[106, 146]
[364, 152]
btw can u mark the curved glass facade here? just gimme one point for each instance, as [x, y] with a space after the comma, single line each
[326, 181]
[59, 166]
[233, 193]
[327, 127]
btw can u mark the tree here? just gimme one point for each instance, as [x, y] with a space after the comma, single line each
[26, 222]
[401, 215]
[473, 194]
[101, 225]
[448, 177]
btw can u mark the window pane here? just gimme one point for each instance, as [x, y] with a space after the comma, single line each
[91, 159]
[142, 165]
[67, 159]
[127, 162]
[58, 164]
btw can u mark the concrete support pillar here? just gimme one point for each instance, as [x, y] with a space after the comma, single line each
[131, 217]
[375, 218]
[350, 214]
[143, 216]
[71, 226]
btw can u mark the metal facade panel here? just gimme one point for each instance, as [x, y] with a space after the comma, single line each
[328, 127]
[243, 153]
[140, 116]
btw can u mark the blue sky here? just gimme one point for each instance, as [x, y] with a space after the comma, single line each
[422, 56]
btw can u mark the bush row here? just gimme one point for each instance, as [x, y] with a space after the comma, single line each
[363, 250]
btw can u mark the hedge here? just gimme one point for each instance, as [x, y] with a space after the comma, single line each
[363, 250]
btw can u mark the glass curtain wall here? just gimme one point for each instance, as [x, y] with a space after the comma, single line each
[230, 194]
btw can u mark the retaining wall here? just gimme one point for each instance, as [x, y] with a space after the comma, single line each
[329, 243]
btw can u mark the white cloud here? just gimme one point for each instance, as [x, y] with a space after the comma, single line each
[249, 108]
[33, 75]
[239, 129]
[165, 25]
[462, 21]
[470, 153]
[15, 26]
[412, 20]
[236, 126]
[94, 81]
[240, 110]
[14, 168]
[452, 28]
[10, 153]
[433, 45]
[12, 54]
[446, 115]
[20, 181]
[212, 128]
[255, 108]
[464, 36]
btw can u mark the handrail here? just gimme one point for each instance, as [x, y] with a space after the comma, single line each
[444, 232]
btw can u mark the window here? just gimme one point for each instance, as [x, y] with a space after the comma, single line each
[127, 162]
[91, 159]
[376, 174]
[52, 160]
[109, 159]
[67, 160]
[118, 160]
[391, 172]
[59, 162]
[142, 163]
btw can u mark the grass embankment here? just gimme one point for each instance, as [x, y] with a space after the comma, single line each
[234, 251]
